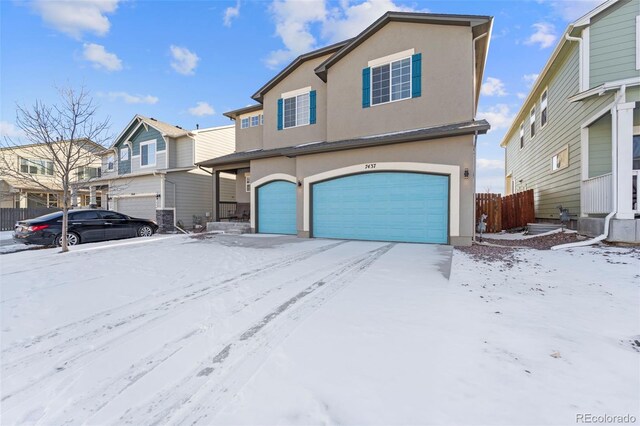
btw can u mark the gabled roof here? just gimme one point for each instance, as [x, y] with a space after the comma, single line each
[562, 43]
[414, 135]
[421, 18]
[165, 128]
[258, 96]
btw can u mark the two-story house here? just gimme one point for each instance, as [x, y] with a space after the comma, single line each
[576, 139]
[30, 177]
[149, 172]
[372, 138]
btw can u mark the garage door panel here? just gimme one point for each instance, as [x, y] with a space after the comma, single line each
[140, 207]
[387, 206]
[277, 208]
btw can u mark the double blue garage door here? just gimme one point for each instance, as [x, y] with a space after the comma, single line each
[381, 206]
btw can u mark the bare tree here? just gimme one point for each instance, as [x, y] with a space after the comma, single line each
[59, 142]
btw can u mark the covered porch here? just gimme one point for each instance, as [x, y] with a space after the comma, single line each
[232, 204]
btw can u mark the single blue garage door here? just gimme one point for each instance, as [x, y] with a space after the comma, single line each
[383, 206]
[277, 208]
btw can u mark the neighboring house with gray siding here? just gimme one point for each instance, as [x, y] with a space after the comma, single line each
[372, 138]
[149, 171]
[576, 139]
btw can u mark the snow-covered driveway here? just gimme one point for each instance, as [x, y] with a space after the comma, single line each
[265, 330]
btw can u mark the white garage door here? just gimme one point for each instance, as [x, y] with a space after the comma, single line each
[140, 207]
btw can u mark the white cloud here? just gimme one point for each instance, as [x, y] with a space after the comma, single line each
[521, 95]
[132, 99]
[184, 61]
[570, 10]
[295, 20]
[230, 13]
[499, 116]
[9, 130]
[544, 35]
[201, 109]
[100, 58]
[487, 164]
[493, 87]
[75, 17]
[529, 79]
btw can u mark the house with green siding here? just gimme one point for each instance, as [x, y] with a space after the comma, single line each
[576, 139]
[149, 172]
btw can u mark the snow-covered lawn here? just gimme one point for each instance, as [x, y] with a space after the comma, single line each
[277, 330]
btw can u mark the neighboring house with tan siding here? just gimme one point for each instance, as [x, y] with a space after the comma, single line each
[150, 172]
[576, 139]
[29, 177]
[372, 138]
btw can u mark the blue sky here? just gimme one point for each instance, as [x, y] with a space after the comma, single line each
[187, 62]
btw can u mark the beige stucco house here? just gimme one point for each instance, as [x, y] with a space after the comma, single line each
[30, 178]
[372, 138]
[150, 172]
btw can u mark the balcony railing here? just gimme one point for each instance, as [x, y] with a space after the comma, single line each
[596, 195]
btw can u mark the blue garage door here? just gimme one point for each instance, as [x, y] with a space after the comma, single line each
[385, 206]
[277, 208]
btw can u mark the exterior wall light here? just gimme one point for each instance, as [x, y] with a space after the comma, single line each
[466, 173]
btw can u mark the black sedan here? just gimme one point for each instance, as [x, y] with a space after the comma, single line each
[84, 226]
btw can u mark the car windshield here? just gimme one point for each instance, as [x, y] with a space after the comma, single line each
[49, 216]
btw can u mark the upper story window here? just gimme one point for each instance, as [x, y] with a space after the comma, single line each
[532, 122]
[148, 154]
[110, 163]
[261, 119]
[244, 123]
[391, 82]
[543, 108]
[124, 153]
[296, 111]
[34, 166]
[255, 120]
[522, 135]
[89, 172]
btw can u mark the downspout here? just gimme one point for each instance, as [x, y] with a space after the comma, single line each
[614, 173]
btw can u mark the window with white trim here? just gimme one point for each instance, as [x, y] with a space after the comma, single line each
[391, 82]
[147, 154]
[255, 120]
[296, 110]
[244, 123]
[110, 163]
[560, 160]
[261, 119]
[532, 122]
[35, 166]
[247, 182]
[124, 153]
[522, 135]
[543, 108]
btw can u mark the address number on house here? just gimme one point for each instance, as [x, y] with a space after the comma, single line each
[370, 166]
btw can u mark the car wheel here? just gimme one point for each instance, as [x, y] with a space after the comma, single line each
[145, 231]
[72, 239]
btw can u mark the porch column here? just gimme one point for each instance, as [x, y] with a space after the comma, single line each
[584, 166]
[624, 158]
[163, 192]
[92, 196]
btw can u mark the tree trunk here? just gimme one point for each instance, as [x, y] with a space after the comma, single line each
[65, 218]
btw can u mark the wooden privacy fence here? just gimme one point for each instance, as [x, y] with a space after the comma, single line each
[508, 212]
[9, 216]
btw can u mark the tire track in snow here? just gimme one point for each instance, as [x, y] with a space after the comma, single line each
[215, 381]
[165, 308]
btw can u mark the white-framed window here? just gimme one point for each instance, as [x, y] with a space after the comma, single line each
[34, 166]
[110, 163]
[124, 153]
[148, 154]
[391, 82]
[522, 135]
[532, 122]
[261, 119]
[247, 182]
[86, 172]
[255, 120]
[560, 159]
[543, 108]
[244, 123]
[296, 111]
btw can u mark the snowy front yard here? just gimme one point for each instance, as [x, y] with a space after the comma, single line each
[276, 330]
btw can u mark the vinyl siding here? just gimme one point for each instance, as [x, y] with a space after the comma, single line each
[161, 159]
[613, 44]
[135, 185]
[194, 195]
[531, 166]
[183, 152]
[228, 187]
[600, 147]
[216, 142]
